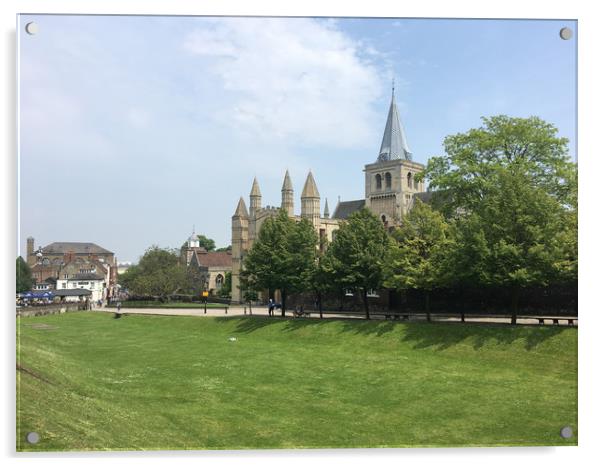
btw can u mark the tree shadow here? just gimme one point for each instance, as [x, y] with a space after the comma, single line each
[441, 336]
[421, 335]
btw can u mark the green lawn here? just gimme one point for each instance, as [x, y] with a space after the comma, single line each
[169, 305]
[91, 382]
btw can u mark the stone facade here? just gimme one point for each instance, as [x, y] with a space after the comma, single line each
[390, 189]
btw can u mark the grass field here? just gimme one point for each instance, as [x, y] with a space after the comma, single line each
[168, 305]
[90, 382]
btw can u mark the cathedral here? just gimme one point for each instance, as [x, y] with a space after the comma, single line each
[390, 189]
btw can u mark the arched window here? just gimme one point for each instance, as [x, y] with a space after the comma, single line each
[379, 182]
[219, 281]
[415, 184]
[387, 180]
[409, 179]
[384, 220]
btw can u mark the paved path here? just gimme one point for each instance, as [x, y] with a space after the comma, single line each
[262, 311]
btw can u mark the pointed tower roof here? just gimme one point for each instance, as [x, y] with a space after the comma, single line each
[326, 211]
[310, 189]
[287, 185]
[394, 145]
[255, 188]
[241, 209]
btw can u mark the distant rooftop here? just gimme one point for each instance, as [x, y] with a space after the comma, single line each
[76, 248]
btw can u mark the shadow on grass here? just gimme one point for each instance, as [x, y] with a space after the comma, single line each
[437, 335]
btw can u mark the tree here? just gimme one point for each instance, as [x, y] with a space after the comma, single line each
[355, 259]
[158, 273]
[224, 249]
[24, 277]
[206, 243]
[226, 290]
[513, 190]
[417, 256]
[281, 258]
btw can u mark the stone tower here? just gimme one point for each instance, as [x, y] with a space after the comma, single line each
[240, 238]
[390, 181]
[288, 202]
[255, 198]
[30, 258]
[310, 201]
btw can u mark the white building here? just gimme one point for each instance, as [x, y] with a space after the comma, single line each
[84, 281]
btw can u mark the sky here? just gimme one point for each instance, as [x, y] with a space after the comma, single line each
[132, 129]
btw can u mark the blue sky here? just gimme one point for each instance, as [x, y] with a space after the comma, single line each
[134, 128]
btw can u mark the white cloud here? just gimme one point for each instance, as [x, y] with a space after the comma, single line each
[301, 79]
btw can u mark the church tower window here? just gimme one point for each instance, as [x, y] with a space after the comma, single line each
[379, 182]
[388, 180]
[409, 179]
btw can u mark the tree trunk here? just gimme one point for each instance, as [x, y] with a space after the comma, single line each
[320, 304]
[427, 305]
[365, 298]
[283, 293]
[514, 304]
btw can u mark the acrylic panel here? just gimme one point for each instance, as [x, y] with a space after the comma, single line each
[295, 232]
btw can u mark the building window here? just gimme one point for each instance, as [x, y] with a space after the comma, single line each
[388, 180]
[409, 179]
[379, 182]
[219, 281]
[64, 285]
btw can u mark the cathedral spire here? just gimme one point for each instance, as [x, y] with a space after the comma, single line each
[288, 202]
[310, 189]
[394, 145]
[255, 188]
[241, 209]
[326, 211]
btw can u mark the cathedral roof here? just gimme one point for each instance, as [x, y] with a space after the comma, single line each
[345, 209]
[394, 145]
[255, 188]
[287, 185]
[310, 189]
[241, 209]
[76, 248]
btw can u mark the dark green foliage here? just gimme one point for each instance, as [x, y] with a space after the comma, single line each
[24, 278]
[226, 290]
[158, 273]
[206, 243]
[356, 258]
[282, 257]
[418, 255]
[511, 192]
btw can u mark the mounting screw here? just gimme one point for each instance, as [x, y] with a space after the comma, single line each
[566, 33]
[566, 432]
[33, 437]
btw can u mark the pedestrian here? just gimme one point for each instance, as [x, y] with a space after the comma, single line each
[118, 313]
[271, 307]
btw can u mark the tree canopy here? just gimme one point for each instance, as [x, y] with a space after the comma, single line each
[159, 273]
[417, 257]
[356, 257]
[510, 190]
[281, 258]
[24, 277]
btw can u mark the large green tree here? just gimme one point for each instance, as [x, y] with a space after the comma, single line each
[512, 189]
[418, 255]
[159, 273]
[206, 243]
[281, 258]
[24, 277]
[356, 257]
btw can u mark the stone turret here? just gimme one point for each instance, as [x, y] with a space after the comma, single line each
[255, 199]
[30, 258]
[240, 239]
[326, 211]
[288, 203]
[310, 201]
